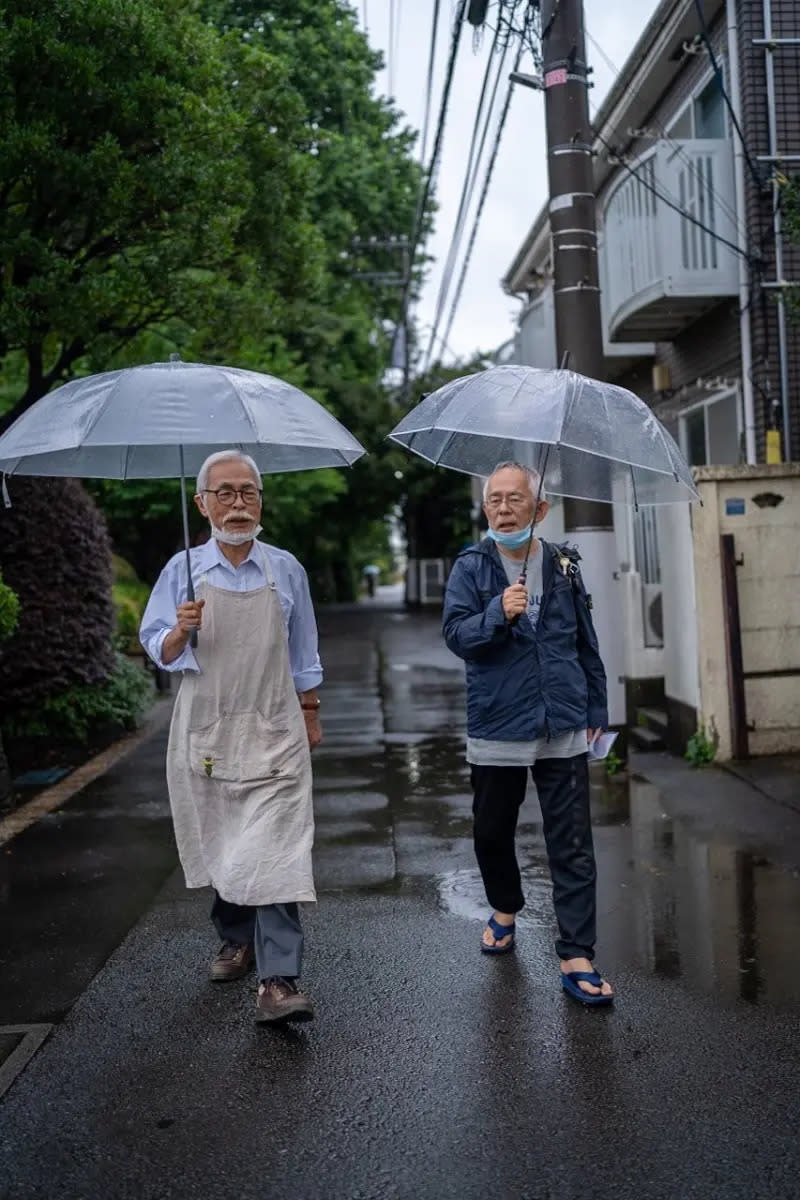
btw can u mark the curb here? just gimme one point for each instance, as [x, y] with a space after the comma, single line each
[53, 797]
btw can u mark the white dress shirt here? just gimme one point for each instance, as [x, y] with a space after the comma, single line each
[292, 585]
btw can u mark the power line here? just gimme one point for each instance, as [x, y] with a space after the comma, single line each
[479, 211]
[390, 51]
[687, 216]
[754, 171]
[429, 84]
[424, 197]
[475, 154]
[677, 147]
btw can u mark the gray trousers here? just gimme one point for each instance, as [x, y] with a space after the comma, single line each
[274, 930]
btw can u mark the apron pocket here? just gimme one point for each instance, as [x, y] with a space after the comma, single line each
[241, 747]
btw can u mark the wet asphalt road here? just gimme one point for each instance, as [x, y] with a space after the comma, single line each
[430, 1071]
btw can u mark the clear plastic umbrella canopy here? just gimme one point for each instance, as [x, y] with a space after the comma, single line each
[589, 440]
[161, 420]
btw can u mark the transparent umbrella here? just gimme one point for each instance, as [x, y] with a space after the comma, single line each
[587, 439]
[162, 420]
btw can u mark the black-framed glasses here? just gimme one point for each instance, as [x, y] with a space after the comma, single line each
[227, 495]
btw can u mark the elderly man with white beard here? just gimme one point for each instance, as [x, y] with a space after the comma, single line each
[245, 719]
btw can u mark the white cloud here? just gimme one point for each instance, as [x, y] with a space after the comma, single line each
[485, 317]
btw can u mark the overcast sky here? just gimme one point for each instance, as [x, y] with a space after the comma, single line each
[486, 316]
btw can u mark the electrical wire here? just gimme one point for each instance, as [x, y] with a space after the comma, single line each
[506, 30]
[669, 203]
[704, 34]
[474, 157]
[677, 147]
[390, 51]
[424, 195]
[429, 84]
[481, 202]
[398, 18]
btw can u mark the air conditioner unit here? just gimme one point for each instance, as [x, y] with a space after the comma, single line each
[653, 615]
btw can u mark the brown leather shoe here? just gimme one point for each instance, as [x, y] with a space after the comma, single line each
[232, 962]
[281, 1000]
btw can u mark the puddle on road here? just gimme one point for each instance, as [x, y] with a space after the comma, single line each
[395, 814]
[673, 902]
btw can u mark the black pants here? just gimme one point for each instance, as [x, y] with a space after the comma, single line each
[563, 787]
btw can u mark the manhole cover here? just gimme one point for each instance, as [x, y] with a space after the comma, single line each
[18, 1044]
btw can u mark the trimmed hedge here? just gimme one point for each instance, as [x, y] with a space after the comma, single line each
[55, 554]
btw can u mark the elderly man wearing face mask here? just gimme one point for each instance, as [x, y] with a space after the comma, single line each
[536, 693]
[245, 719]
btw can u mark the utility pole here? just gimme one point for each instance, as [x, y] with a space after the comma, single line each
[576, 289]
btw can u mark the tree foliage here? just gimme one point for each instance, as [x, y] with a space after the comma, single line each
[148, 174]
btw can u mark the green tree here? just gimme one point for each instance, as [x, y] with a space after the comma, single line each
[140, 184]
[363, 189]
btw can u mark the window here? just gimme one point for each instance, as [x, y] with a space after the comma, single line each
[683, 128]
[709, 112]
[703, 116]
[710, 432]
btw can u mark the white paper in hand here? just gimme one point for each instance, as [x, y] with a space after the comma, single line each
[600, 745]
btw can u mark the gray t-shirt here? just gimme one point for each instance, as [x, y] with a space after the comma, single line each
[485, 752]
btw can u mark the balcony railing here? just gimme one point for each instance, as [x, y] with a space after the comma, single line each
[666, 265]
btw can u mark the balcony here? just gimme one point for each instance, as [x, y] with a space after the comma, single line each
[662, 270]
[535, 343]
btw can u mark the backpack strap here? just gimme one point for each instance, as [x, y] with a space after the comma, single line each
[566, 559]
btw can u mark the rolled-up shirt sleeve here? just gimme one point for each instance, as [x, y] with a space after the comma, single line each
[159, 618]
[304, 659]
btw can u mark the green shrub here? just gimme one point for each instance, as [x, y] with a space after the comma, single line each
[130, 598]
[613, 763]
[700, 750]
[55, 554]
[75, 714]
[9, 610]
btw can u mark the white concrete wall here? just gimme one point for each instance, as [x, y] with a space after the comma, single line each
[681, 678]
[767, 542]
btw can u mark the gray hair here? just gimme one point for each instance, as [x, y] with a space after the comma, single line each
[225, 456]
[534, 479]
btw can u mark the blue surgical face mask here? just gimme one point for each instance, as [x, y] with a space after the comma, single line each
[512, 541]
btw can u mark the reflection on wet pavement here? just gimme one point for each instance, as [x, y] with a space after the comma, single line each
[391, 782]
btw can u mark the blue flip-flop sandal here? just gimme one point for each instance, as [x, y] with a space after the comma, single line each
[570, 983]
[499, 931]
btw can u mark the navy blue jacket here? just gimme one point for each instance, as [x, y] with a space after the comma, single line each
[523, 684]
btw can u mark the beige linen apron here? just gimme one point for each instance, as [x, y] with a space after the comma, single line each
[238, 762]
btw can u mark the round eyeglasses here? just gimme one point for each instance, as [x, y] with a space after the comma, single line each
[227, 495]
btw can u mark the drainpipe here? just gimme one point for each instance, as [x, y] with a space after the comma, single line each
[776, 229]
[741, 238]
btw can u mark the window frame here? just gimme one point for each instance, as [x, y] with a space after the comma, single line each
[690, 101]
[705, 404]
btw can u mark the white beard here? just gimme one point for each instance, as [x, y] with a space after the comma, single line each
[235, 539]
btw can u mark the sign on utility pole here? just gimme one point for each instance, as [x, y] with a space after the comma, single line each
[576, 290]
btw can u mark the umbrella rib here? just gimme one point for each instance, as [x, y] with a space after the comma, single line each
[445, 447]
